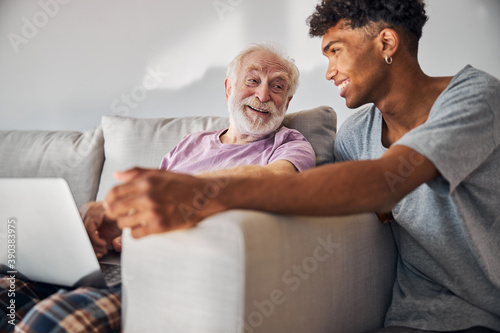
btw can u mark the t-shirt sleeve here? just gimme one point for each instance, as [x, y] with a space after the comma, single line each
[463, 126]
[295, 148]
[340, 148]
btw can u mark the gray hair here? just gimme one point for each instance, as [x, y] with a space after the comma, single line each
[288, 62]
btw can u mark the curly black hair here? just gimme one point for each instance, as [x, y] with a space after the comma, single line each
[405, 16]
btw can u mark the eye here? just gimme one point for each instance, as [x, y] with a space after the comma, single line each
[252, 81]
[278, 88]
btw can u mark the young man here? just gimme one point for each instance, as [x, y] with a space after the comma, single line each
[425, 155]
[260, 83]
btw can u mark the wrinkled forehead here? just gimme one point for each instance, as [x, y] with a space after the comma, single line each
[265, 63]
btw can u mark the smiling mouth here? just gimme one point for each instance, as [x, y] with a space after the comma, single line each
[343, 86]
[258, 110]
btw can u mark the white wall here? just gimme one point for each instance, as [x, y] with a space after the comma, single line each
[65, 63]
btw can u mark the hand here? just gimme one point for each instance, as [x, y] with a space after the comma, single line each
[101, 230]
[117, 243]
[154, 201]
[385, 217]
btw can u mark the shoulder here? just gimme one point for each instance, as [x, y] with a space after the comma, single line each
[291, 145]
[286, 134]
[206, 133]
[471, 75]
[472, 83]
[287, 138]
[201, 136]
[470, 94]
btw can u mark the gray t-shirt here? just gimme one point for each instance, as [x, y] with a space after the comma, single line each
[448, 230]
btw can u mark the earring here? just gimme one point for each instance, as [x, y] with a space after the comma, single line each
[388, 60]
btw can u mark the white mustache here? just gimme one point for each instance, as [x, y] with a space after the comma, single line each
[256, 104]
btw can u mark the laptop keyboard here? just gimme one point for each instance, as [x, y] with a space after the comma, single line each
[112, 274]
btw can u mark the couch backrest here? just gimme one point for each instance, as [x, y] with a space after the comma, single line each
[78, 157]
[130, 142]
[87, 160]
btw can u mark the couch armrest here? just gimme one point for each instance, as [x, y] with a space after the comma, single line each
[246, 271]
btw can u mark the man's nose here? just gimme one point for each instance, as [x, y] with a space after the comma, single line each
[331, 71]
[262, 93]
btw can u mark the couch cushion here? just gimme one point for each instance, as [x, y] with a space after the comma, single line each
[319, 126]
[143, 142]
[77, 157]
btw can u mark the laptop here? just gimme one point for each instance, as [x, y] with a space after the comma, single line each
[42, 236]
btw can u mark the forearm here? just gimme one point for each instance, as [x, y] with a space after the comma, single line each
[335, 189]
[164, 201]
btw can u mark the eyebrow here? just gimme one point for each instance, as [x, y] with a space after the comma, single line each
[279, 75]
[254, 67]
[327, 47]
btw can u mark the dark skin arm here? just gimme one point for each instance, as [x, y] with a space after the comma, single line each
[170, 201]
[103, 230]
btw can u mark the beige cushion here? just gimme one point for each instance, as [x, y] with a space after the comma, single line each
[249, 271]
[319, 126]
[75, 156]
[143, 142]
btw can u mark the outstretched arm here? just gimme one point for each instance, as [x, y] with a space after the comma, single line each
[164, 201]
[337, 189]
[145, 198]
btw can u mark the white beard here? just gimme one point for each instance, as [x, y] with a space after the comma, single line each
[256, 127]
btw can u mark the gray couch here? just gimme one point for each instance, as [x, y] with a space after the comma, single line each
[239, 271]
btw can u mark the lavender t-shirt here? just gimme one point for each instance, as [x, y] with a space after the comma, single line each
[203, 151]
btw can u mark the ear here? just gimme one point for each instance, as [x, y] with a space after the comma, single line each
[389, 41]
[228, 87]
[288, 102]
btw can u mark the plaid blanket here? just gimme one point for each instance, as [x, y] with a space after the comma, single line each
[41, 307]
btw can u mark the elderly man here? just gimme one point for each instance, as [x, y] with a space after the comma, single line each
[259, 85]
[424, 154]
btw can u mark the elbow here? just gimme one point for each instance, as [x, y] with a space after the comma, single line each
[385, 205]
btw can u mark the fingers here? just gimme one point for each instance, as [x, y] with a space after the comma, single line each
[145, 228]
[123, 198]
[385, 217]
[117, 244]
[147, 203]
[85, 208]
[139, 232]
[129, 209]
[99, 244]
[144, 223]
[136, 219]
[129, 204]
[92, 215]
[99, 229]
